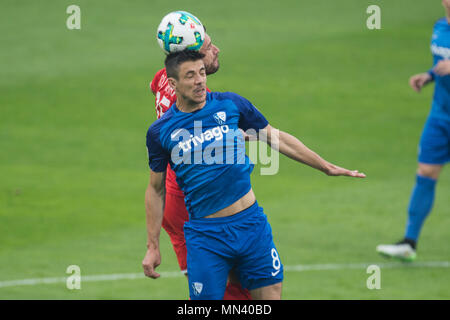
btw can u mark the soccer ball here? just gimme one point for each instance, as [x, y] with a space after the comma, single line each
[180, 30]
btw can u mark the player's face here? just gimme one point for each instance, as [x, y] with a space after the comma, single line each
[191, 83]
[211, 53]
[446, 4]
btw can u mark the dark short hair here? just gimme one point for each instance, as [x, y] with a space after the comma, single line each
[174, 60]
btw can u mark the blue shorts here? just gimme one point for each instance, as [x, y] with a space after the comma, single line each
[434, 146]
[242, 242]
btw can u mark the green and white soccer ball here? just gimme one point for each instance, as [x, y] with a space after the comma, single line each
[180, 30]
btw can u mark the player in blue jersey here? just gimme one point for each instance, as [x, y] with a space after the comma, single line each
[201, 139]
[434, 146]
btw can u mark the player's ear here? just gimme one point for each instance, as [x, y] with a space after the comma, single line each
[172, 83]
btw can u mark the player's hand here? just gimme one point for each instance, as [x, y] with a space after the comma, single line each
[442, 68]
[151, 260]
[417, 81]
[333, 170]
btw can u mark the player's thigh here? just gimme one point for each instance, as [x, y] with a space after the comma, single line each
[271, 292]
[207, 275]
[259, 264]
[208, 265]
[434, 145]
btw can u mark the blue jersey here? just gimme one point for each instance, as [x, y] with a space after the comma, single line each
[440, 47]
[206, 150]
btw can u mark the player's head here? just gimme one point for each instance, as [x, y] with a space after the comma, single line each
[211, 53]
[446, 4]
[186, 74]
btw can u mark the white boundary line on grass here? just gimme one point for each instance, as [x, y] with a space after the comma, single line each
[174, 274]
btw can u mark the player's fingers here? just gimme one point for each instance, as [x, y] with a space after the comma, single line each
[146, 269]
[413, 84]
[146, 266]
[420, 82]
[150, 272]
[343, 172]
[154, 275]
[419, 86]
[357, 174]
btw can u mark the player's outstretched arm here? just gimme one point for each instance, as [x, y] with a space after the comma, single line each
[293, 148]
[154, 209]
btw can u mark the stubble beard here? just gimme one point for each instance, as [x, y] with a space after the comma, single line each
[212, 68]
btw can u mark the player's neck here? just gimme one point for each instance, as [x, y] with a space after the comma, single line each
[188, 106]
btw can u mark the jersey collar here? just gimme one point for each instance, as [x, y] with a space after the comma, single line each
[177, 111]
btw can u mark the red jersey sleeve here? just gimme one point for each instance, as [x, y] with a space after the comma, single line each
[155, 81]
[164, 94]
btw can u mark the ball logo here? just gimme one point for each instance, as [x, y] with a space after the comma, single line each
[168, 38]
[220, 117]
[179, 31]
[185, 16]
[198, 287]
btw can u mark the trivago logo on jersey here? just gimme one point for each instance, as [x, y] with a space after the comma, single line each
[440, 51]
[215, 145]
[222, 144]
[215, 133]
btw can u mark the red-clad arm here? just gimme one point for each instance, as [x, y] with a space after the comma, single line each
[164, 98]
[164, 94]
[155, 81]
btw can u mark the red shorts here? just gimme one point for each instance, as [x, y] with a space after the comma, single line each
[175, 215]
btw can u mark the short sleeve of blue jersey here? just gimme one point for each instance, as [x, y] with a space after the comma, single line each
[158, 158]
[249, 116]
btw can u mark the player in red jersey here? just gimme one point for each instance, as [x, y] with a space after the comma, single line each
[175, 213]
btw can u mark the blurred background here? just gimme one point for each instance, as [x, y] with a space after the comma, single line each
[75, 106]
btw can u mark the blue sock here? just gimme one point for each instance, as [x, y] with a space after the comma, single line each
[420, 206]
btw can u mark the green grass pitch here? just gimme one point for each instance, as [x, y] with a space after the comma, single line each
[75, 107]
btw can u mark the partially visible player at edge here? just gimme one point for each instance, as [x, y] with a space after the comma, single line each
[434, 146]
[175, 213]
